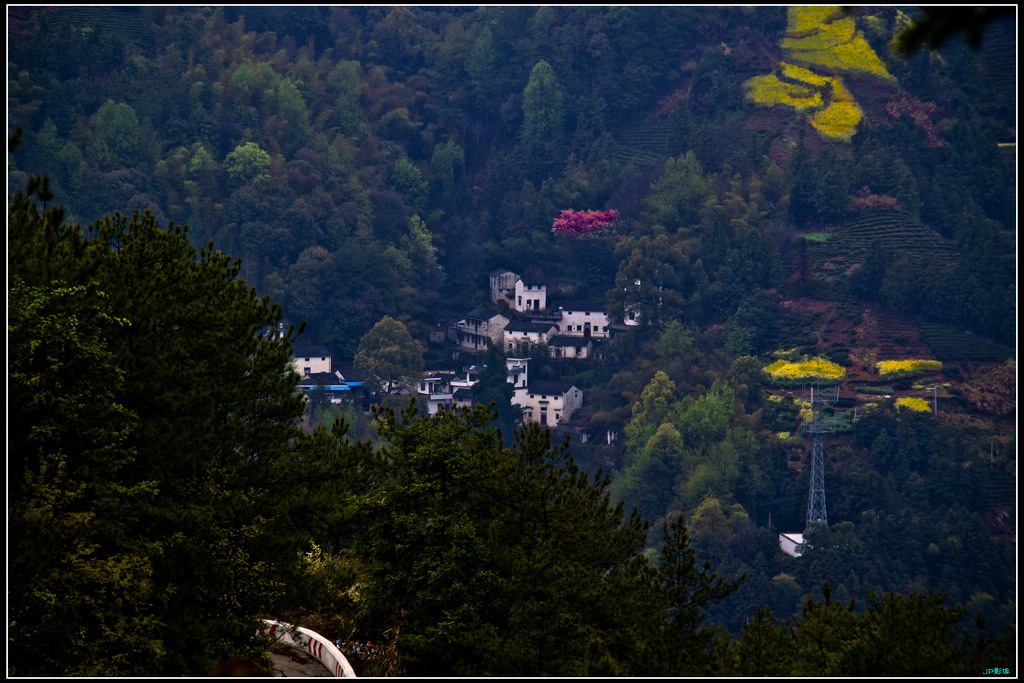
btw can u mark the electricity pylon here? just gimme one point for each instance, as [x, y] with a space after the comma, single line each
[817, 428]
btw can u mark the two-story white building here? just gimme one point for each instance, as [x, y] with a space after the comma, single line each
[531, 294]
[548, 403]
[311, 359]
[478, 327]
[584, 319]
[435, 389]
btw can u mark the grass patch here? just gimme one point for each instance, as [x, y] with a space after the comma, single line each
[815, 236]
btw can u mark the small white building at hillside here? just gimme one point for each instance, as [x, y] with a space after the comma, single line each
[548, 403]
[584, 319]
[531, 294]
[311, 359]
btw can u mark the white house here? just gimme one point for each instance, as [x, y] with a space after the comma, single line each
[310, 359]
[435, 388]
[518, 371]
[526, 334]
[584, 319]
[477, 328]
[548, 403]
[531, 294]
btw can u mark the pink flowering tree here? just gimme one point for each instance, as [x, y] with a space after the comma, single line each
[583, 222]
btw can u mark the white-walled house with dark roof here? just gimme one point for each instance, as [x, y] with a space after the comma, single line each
[548, 403]
[478, 328]
[525, 334]
[531, 294]
[584, 319]
[310, 359]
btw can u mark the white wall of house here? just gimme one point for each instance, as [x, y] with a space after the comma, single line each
[435, 390]
[474, 331]
[548, 409]
[584, 323]
[310, 365]
[531, 295]
[518, 371]
[515, 337]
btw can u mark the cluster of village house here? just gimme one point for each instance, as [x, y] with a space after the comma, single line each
[520, 319]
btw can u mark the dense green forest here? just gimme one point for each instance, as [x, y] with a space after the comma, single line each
[789, 185]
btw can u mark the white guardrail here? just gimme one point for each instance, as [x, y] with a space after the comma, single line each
[312, 642]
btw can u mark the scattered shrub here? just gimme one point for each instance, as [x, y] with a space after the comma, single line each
[913, 403]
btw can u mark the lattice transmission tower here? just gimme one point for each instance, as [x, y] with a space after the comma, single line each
[817, 428]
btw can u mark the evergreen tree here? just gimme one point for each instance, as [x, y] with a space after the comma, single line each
[493, 387]
[388, 354]
[156, 461]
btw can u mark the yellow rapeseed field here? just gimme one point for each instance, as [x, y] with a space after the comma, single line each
[769, 90]
[808, 370]
[901, 367]
[835, 44]
[799, 73]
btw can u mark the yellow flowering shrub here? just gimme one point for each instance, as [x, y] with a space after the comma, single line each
[815, 369]
[902, 367]
[784, 436]
[775, 398]
[806, 413]
[913, 403]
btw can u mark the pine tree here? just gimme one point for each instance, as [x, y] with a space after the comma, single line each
[156, 462]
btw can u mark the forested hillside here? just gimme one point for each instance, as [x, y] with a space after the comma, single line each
[787, 186]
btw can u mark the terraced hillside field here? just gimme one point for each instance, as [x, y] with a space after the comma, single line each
[895, 230]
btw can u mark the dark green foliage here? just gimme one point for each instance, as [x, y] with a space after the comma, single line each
[406, 152]
[493, 387]
[484, 559]
[154, 461]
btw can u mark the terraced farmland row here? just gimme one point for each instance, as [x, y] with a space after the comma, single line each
[894, 230]
[998, 56]
[949, 344]
[124, 22]
[645, 145]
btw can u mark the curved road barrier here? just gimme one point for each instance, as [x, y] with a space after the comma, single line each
[313, 643]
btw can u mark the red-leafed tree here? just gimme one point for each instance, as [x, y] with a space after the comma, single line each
[583, 222]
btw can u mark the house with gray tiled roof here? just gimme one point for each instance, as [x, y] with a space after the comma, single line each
[566, 346]
[584, 319]
[548, 403]
[531, 294]
[474, 330]
[310, 359]
[520, 334]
